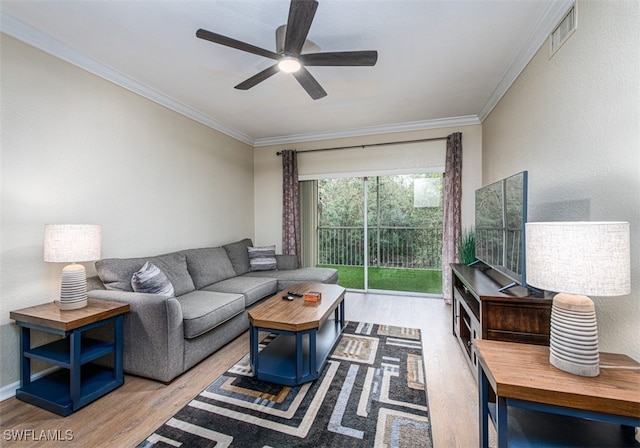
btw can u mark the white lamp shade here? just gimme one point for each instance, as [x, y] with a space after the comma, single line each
[72, 243]
[588, 258]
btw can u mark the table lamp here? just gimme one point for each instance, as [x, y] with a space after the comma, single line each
[575, 259]
[72, 243]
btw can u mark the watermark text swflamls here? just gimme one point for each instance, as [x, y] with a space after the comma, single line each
[45, 435]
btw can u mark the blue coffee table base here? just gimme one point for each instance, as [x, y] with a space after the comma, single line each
[295, 357]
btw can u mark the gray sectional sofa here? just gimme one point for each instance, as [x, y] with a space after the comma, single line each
[214, 288]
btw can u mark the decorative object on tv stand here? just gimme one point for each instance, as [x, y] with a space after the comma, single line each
[72, 243]
[574, 258]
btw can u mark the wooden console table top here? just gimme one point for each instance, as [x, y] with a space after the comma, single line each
[522, 371]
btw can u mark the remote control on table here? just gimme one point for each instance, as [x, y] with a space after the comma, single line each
[287, 297]
[292, 293]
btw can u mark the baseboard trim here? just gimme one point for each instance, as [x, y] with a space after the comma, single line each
[9, 391]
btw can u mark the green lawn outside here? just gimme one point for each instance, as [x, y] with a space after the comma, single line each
[391, 279]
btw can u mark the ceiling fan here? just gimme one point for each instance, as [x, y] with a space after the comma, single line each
[289, 54]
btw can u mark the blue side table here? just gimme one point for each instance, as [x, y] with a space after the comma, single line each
[531, 403]
[79, 380]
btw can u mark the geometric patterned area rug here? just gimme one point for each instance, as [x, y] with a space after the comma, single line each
[371, 393]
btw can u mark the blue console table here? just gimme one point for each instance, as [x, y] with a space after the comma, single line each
[78, 379]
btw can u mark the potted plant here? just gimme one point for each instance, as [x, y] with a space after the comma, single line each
[467, 247]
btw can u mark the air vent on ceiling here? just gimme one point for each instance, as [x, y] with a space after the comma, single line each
[563, 30]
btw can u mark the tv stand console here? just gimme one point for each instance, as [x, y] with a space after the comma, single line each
[483, 309]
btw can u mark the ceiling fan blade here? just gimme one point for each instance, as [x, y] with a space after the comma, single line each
[229, 42]
[258, 78]
[301, 13]
[341, 58]
[309, 83]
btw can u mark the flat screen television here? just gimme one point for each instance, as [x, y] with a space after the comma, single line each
[501, 214]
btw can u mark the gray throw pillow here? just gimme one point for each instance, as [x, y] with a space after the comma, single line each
[150, 279]
[262, 258]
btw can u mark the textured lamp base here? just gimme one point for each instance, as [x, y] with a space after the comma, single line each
[73, 287]
[574, 335]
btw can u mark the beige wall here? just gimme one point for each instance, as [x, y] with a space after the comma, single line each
[573, 121]
[382, 160]
[78, 149]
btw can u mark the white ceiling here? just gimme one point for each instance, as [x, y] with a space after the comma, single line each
[440, 62]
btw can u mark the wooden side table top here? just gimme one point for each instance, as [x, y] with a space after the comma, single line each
[51, 316]
[523, 371]
[297, 315]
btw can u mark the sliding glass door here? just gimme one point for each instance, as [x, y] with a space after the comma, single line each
[382, 232]
[405, 233]
[341, 230]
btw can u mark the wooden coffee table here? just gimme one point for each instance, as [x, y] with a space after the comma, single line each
[305, 338]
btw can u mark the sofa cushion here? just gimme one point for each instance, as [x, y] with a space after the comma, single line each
[253, 288]
[150, 279]
[175, 266]
[301, 275]
[287, 261]
[116, 273]
[238, 255]
[262, 258]
[208, 265]
[204, 310]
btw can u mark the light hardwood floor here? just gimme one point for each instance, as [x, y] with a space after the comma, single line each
[129, 414]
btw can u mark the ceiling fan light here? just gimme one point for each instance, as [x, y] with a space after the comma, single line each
[289, 64]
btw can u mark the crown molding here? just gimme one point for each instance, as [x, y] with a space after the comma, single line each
[31, 36]
[555, 11]
[373, 130]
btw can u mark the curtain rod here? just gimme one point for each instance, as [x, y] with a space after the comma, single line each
[371, 144]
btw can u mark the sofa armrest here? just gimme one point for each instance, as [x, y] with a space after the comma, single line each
[286, 262]
[153, 333]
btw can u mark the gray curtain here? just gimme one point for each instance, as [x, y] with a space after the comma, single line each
[290, 205]
[309, 222]
[452, 223]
